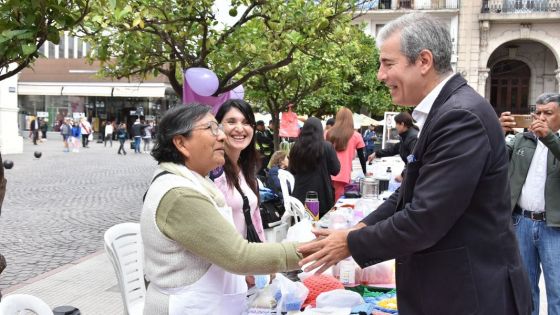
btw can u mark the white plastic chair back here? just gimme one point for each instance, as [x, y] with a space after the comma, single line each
[16, 304]
[286, 177]
[123, 245]
[298, 210]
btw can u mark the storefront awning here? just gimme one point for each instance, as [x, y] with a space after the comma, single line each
[139, 91]
[82, 90]
[32, 89]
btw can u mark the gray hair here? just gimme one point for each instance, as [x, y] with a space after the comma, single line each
[548, 97]
[179, 120]
[421, 31]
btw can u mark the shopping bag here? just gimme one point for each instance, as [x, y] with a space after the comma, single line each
[301, 231]
[90, 137]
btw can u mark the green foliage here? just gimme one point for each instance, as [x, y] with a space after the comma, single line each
[149, 37]
[26, 24]
[340, 70]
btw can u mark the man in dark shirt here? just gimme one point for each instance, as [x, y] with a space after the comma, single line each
[265, 144]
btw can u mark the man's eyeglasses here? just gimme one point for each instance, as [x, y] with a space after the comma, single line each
[212, 125]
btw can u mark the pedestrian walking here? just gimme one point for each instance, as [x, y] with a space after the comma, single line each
[108, 133]
[76, 135]
[85, 129]
[122, 135]
[147, 137]
[66, 132]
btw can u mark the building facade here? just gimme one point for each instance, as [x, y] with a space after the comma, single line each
[62, 83]
[508, 50]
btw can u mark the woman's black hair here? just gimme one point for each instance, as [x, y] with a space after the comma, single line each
[306, 153]
[249, 161]
[178, 120]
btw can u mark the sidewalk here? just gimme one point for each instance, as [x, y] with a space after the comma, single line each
[90, 284]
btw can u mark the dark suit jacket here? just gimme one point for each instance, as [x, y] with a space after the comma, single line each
[449, 227]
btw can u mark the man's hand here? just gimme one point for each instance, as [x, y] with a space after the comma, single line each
[507, 122]
[330, 248]
[540, 127]
[371, 157]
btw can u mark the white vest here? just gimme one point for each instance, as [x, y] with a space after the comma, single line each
[170, 267]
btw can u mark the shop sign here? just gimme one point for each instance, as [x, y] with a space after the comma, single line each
[43, 114]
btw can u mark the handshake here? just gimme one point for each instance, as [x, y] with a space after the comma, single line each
[330, 247]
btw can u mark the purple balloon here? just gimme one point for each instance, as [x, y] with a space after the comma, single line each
[237, 93]
[202, 81]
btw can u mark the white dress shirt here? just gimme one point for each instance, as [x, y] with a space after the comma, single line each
[532, 193]
[421, 111]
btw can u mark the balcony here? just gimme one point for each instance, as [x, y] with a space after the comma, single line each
[520, 6]
[411, 5]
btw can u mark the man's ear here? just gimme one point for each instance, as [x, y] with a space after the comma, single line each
[426, 60]
[182, 145]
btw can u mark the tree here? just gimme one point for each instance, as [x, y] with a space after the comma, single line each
[26, 24]
[340, 70]
[151, 37]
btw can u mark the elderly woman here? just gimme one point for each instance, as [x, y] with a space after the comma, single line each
[194, 256]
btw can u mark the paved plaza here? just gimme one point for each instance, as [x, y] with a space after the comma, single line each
[57, 207]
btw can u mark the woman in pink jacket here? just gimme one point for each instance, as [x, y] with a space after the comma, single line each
[347, 143]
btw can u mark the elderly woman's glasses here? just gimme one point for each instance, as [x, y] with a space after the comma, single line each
[212, 125]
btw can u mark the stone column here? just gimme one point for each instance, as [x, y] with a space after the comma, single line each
[557, 75]
[482, 89]
[10, 140]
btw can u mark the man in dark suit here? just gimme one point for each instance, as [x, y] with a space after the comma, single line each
[449, 226]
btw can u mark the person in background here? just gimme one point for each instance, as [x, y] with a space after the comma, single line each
[408, 133]
[534, 179]
[44, 127]
[312, 162]
[85, 131]
[449, 225]
[369, 139]
[108, 133]
[66, 132]
[265, 145]
[34, 130]
[136, 132]
[76, 136]
[328, 125]
[347, 143]
[193, 254]
[147, 137]
[3, 183]
[122, 135]
[278, 161]
[238, 180]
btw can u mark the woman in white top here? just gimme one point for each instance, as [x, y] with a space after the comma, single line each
[108, 133]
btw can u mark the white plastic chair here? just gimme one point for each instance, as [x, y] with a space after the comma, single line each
[125, 250]
[16, 304]
[286, 177]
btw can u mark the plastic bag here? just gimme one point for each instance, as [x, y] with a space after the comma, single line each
[90, 137]
[379, 274]
[291, 295]
[300, 232]
[339, 298]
